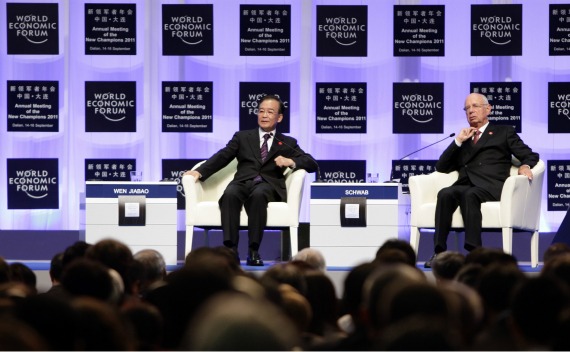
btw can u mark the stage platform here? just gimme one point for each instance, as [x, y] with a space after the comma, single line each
[36, 248]
[336, 274]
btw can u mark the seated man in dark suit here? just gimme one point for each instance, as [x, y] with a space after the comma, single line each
[263, 155]
[482, 154]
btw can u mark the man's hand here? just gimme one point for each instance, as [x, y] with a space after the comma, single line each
[282, 161]
[465, 134]
[194, 174]
[526, 171]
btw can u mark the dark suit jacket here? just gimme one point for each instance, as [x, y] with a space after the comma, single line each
[245, 146]
[487, 163]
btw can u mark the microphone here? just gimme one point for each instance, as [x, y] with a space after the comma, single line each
[414, 152]
[319, 179]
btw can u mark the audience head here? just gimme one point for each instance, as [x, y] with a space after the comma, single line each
[152, 266]
[147, 325]
[287, 273]
[447, 264]
[417, 334]
[215, 258]
[53, 319]
[84, 277]
[470, 274]
[555, 250]
[323, 300]
[4, 271]
[417, 299]
[75, 251]
[313, 257]
[536, 307]
[296, 307]
[466, 310]
[185, 292]
[496, 286]
[237, 322]
[100, 327]
[351, 302]
[386, 252]
[558, 267]
[21, 273]
[56, 268]
[486, 256]
[382, 286]
[114, 255]
[18, 336]
[229, 254]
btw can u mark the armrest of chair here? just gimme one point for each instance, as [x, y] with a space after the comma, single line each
[295, 186]
[424, 188]
[295, 182]
[193, 192]
[518, 208]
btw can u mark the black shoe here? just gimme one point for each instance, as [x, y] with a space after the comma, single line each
[253, 259]
[468, 247]
[427, 265]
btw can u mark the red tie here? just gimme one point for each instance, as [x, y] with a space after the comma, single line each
[476, 138]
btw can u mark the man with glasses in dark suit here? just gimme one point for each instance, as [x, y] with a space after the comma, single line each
[482, 154]
[263, 155]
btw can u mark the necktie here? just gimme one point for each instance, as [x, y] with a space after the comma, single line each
[476, 138]
[264, 152]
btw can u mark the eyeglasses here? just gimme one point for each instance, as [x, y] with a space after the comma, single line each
[268, 112]
[474, 106]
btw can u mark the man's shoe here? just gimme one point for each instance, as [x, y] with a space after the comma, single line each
[253, 259]
[427, 265]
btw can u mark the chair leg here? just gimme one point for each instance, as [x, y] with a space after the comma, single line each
[534, 249]
[293, 235]
[285, 253]
[508, 240]
[189, 238]
[415, 238]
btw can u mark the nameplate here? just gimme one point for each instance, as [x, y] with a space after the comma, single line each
[337, 191]
[116, 189]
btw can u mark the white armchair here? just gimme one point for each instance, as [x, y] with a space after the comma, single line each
[519, 207]
[203, 211]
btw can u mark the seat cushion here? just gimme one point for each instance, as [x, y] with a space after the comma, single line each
[490, 211]
[209, 214]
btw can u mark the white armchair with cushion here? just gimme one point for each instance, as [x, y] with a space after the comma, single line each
[519, 207]
[203, 211]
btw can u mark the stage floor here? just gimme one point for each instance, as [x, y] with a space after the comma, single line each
[336, 274]
[36, 248]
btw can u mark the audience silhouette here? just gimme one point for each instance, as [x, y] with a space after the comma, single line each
[104, 297]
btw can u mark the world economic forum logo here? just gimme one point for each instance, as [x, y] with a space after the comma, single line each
[32, 28]
[187, 29]
[558, 107]
[33, 184]
[110, 106]
[418, 107]
[342, 30]
[496, 30]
